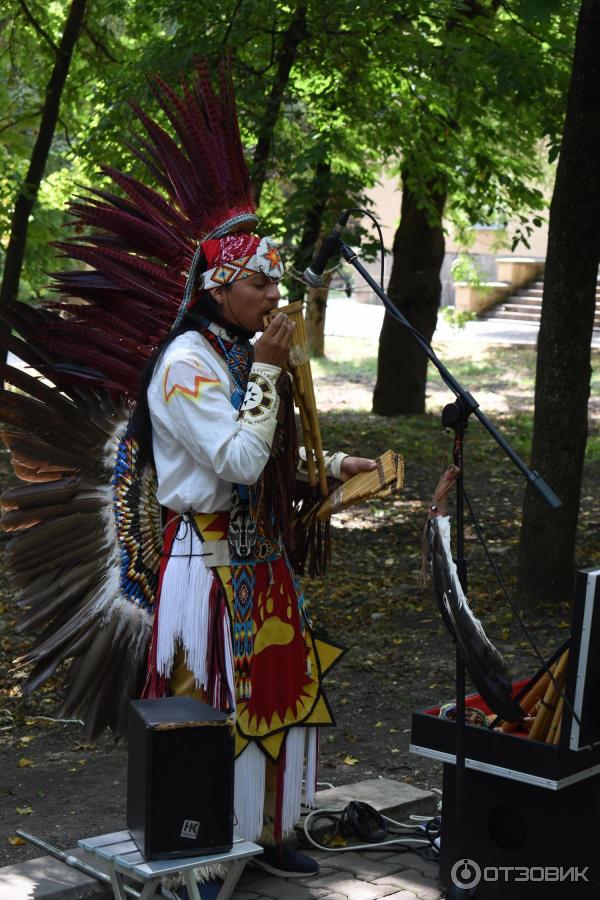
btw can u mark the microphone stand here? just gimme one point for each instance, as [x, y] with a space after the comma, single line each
[455, 415]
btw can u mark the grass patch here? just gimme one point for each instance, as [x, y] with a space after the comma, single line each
[347, 357]
[501, 377]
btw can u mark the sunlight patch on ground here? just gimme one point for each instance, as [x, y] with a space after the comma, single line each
[500, 376]
[374, 514]
[489, 401]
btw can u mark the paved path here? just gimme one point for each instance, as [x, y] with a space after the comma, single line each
[347, 318]
[366, 875]
[349, 875]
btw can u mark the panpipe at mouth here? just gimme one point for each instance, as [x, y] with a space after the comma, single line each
[543, 704]
[304, 395]
[386, 479]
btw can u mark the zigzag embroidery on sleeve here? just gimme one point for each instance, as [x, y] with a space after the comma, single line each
[192, 392]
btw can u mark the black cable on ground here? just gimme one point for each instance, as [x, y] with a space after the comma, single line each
[361, 822]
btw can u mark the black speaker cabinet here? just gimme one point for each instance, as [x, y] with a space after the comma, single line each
[179, 778]
[513, 824]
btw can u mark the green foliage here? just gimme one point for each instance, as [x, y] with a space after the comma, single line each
[457, 94]
[457, 318]
[464, 268]
[27, 55]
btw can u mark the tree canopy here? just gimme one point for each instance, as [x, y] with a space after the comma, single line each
[454, 98]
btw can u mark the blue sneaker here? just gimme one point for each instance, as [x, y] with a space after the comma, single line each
[286, 862]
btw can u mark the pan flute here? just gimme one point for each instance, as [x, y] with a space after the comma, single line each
[304, 395]
[385, 480]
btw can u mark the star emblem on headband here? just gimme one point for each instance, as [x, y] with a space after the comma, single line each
[273, 256]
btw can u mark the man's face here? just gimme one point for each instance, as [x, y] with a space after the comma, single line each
[248, 301]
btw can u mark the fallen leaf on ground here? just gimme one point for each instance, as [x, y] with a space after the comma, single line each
[16, 841]
[23, 810]
[338, 841]
[350, 760]
[24, 762]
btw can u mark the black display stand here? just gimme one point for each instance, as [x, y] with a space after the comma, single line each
[511, 825]
[527, 803]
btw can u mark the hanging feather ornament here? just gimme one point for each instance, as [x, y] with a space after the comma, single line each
[481, 658]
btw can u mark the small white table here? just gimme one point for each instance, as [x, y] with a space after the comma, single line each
[122, 857]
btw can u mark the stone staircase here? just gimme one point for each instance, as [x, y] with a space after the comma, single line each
[525, 305]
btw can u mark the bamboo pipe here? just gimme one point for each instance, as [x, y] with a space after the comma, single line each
[548, 704]
[557, 735]
[544, 715]
[529, 700]
[311, 468]
[304, 394]
[556, 719]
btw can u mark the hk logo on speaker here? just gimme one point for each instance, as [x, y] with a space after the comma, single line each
[190, 829]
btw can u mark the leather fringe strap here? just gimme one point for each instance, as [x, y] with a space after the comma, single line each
[272, 500]
[312, 541]
[219, 664]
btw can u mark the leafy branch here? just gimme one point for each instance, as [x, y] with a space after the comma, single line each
[37, 27]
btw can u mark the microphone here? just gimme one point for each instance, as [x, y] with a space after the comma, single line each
[313, 276]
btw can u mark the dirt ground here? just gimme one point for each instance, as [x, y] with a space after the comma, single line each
[400, 658]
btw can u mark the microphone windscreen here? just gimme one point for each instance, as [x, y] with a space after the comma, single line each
[311, 278]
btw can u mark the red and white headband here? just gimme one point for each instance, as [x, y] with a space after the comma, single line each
[231, 258]
[239, 256]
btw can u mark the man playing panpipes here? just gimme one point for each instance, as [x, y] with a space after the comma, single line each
[199, 596]
[215, 410]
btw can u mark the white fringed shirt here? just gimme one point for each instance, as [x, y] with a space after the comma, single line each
[201, 444]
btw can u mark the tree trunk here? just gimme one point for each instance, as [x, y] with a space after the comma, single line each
[547, 540]
[291, 40]
[415, 288]
[316, 308]
[309, 242]
[26, 198]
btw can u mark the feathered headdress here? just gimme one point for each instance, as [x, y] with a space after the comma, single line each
[140, 243]
[85, 524]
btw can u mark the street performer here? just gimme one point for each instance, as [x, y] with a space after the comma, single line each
[214, 403]
[157, 535]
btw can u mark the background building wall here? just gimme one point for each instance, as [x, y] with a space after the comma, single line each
[488, 244]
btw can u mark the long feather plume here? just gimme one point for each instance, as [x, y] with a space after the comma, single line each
[69, 550]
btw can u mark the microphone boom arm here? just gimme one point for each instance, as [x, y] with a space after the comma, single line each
[467, 399]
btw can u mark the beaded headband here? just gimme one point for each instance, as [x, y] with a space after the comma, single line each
[240, 256]
[231, 258]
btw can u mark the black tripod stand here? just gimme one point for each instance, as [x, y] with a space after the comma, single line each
[456, 416]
